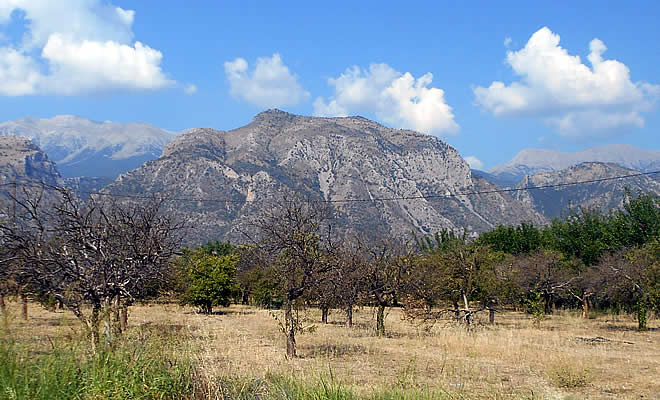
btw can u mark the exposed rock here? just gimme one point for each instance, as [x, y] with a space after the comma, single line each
[604, 195]
[325, 158]
[532, 161]
[21, 159]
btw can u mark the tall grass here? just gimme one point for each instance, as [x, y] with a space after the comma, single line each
[133, 369]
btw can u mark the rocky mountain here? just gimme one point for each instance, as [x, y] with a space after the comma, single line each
[604, 195]
[23, 167]
[324, 158]
[22, 160]
[81, 147]
[532, 161]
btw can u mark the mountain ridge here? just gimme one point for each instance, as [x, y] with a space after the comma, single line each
[82, 147]
[325, 158]
[531, 161]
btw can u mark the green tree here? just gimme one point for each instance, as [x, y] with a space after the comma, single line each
[638, 222]
[208, 279]
[584, 235]
[521, 239]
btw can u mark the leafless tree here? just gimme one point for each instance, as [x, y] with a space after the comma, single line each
[90, 255]
[384, 275]
[295, 231]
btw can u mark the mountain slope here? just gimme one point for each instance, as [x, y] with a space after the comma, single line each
[605, 195]
[325, 158]
[81, 147]
[22, 160]
[532, 161]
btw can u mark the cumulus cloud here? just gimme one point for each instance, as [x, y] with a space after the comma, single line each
[396, 98]
[474, 162]
[76, 46]
[269, 84]
[19, 74]
[577, 99]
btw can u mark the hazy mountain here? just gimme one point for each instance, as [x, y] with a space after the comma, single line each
[325, 158]
[532, 161]
[605, 195]
[81, 147]
[21, 160]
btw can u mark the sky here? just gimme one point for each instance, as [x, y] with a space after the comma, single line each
[489, 78]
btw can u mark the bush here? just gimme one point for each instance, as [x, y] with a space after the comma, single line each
[565, 374]
[208, 279]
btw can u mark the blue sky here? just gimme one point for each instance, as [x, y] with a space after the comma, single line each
[490, 78]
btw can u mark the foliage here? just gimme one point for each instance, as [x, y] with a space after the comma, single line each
[208, 278]
[521, 239]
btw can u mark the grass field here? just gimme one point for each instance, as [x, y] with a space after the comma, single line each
[239, 353]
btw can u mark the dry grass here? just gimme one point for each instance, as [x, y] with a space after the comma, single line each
[511, 359]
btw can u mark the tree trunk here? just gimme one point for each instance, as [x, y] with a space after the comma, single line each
[380, 320]
[24, 307]
[290, 329]
[324, 315]
[349, 316]
[466, 302]
[123, 318]
[115, 308]
[93, 327]
[491, 316]
[585, 307]
[3, 306]
[245, 298]
[457, 312]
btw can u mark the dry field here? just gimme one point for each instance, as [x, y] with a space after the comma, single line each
[567, 358]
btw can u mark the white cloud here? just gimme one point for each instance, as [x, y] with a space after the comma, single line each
[19, 74]
[270, 84]
[566, 93]
[474, 162]
[76, 46]
[190, 89]
[507, 41]
[395, 98]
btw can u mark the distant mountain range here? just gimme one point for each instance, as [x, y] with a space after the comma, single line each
[81, 147]
[604, 195]
[533, 161]
[324, 158]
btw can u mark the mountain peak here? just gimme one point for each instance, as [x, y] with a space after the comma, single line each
[83, 147]
[323, 158]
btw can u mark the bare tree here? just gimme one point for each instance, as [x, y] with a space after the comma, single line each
[294, 231]
[384, 275]
[90, 255]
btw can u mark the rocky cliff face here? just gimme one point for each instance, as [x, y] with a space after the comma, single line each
[605, 195]
[325, 158]
[81, 147]
[21, 159]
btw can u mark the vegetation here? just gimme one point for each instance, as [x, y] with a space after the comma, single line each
[207, 276]
[97, 258]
